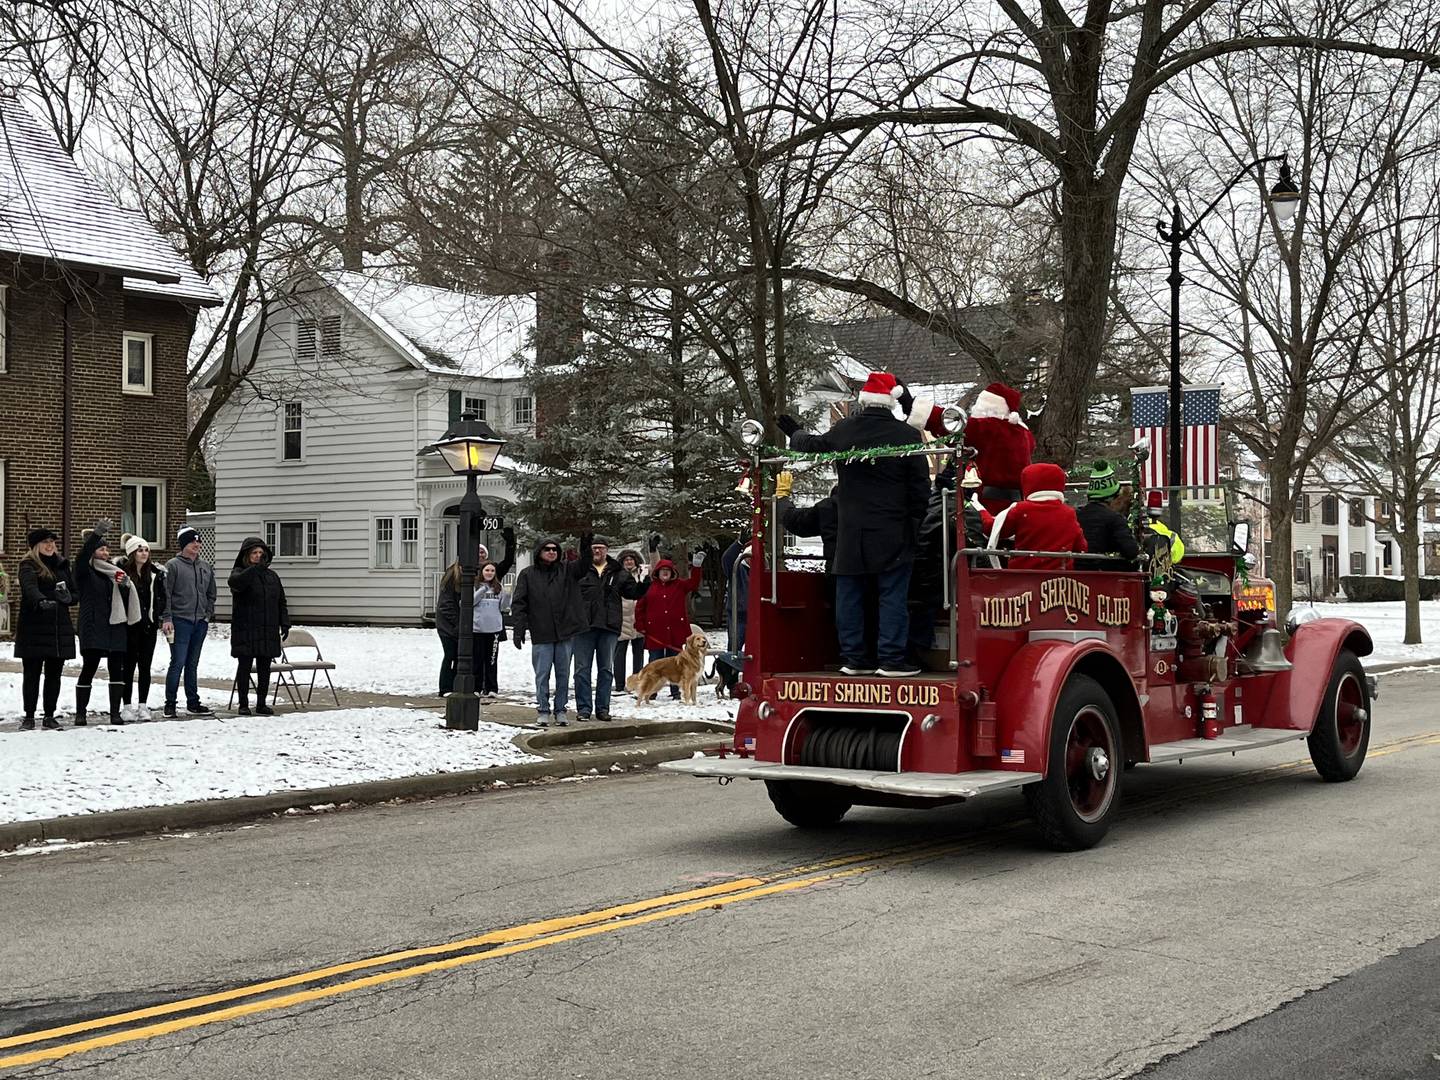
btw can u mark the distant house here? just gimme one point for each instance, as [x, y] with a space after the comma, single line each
[96, 315]
[319, 453]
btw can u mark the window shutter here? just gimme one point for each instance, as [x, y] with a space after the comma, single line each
[330, 336]
[455, 406]
[305, 339]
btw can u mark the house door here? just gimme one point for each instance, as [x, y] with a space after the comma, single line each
[1330, 569]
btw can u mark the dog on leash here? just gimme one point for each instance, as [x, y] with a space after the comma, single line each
[684, 670]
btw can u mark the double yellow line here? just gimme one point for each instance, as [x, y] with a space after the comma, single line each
[267, 996]
[284, 993]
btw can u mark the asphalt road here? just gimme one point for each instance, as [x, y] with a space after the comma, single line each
[657, 926]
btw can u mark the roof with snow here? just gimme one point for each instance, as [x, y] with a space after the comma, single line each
[439, 330]
[50, 209]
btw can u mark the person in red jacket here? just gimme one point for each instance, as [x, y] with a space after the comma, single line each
[662, 613]
[1043, 522]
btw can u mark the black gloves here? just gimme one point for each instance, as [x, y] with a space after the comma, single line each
[946, 480]
[46, 606]
[519, 639]
[787, 424]
[102, 527]
[62, 592]
[654, 543]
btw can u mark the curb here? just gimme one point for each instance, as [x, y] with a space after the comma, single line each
[1396, 665]
[112, 824]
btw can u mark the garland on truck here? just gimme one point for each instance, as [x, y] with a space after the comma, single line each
[843, 457]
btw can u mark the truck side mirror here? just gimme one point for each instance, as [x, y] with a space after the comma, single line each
[1240, 537]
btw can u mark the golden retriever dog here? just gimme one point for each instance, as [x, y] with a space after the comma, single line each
[684, 670]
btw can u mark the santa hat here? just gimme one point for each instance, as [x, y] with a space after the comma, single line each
[936, 420]
[1043, 482]
[880, 389]
[998, 402]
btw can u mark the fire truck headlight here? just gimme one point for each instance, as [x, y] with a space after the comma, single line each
[931, 719]
[765, 711]
[952, 418]
[1298, 617]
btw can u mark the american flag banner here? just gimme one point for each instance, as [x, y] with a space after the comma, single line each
[1200, 421]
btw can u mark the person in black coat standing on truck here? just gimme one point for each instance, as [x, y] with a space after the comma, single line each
[44, 635]
[259, 621]
[880, 504]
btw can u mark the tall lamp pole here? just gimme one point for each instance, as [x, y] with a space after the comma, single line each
[470, 448]
[1284, 199]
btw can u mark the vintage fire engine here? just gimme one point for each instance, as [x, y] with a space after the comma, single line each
[1055, 682]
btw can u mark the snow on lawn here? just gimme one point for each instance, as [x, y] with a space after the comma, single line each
[1386, 623]
[86, 770]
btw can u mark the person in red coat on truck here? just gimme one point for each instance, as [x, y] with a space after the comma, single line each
[1002, 443]
[662, 614]
[1042, 522]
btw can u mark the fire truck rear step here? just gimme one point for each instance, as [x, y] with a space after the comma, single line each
[1234, 740]
[965, 785]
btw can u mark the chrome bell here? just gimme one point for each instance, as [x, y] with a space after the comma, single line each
[1267, 654]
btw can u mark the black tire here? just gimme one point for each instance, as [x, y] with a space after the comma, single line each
[1339, 740]
[809, 804]
[1073, 806]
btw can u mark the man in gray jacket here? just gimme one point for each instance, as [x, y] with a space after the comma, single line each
[189, 607]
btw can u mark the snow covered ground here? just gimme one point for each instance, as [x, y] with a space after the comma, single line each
[1386, 623]
[85, 770]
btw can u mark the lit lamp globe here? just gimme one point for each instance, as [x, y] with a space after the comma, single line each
[470, 448]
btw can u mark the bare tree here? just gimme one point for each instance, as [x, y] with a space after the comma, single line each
[53, 55]
[1278, 316]
[1393, 443]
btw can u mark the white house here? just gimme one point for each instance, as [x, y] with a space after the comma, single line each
[319, 452]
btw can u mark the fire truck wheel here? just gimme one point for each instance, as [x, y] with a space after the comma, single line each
[1342, 732]
[1076, 801]
[807, 804]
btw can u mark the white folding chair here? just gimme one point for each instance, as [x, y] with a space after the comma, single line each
[289, 665]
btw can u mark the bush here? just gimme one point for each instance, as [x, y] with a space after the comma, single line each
[1365, 590]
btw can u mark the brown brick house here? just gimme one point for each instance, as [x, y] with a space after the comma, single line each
[96, 315]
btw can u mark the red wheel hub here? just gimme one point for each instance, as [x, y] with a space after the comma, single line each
[1351, 715]
[1090, 764]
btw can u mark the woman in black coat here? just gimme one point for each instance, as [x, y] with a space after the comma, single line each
[259, 621]
[108, 607]
[44, 635]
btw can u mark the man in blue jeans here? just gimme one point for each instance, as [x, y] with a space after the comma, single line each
[547, 607]
[604, 583]
[189, 607]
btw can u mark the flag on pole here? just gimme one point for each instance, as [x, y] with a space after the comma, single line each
[1200, 422]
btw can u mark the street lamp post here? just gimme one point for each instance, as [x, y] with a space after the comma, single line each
[1284, 199]
[470, 449]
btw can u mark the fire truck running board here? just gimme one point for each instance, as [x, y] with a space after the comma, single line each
[1234, 740]
[965, 785]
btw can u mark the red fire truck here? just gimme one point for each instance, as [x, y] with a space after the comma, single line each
[1052, 681]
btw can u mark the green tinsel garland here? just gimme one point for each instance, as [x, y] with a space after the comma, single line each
[871, 453]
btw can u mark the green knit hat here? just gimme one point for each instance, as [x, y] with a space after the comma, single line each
[1104, 484]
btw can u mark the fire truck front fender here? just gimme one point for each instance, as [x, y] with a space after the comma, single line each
[1026, 695]
[1298, 694]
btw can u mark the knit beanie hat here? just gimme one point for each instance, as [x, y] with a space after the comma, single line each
[36, 537]
[1104, 484]
[186, 535]
[131, 543]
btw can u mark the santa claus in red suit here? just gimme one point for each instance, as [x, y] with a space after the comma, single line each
[1043, 522]
[1003, 444]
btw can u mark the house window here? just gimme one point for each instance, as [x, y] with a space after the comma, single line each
[142, 509]
[1357, 562]
[1357, 513]
[523, 412]
[2, 498]
[1302, 509]
[384, 542]
[1300, 566]
[292, 432]
[138, 353]
[293, 539]
[474, 405]
[409, 541]
[1329, 510]
[4, 336]
[1383, 511]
